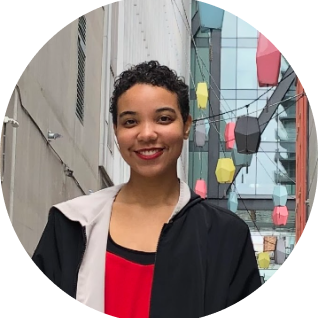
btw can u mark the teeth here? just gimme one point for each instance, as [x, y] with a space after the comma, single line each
[148, 152]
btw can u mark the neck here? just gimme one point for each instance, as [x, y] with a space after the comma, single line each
[151, 191]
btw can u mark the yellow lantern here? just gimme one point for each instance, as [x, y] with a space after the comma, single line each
[202, 94]
[263, 260]
[225, 170]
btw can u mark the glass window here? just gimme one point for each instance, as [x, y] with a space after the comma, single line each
[228, 107]
[228, 94]
[260, 106]
[228, 68]
[260, 178]
[229, 25]
[246, 94]
[201, 65]
[228, 43]
[245, 30]
[197, 162]
[265, 174]
[247, 42]
[265, 93]
[270, 132]
[246, 69]
[245, 182]
[201, 42]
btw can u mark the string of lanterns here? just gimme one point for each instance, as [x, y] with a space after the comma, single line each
[243, 137]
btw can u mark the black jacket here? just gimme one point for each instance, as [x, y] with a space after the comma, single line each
[205, 260]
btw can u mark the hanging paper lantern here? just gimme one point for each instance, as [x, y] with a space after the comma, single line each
[247, 134]
[200, 188]
[202, 95]
[280, 195]
[232, 202]
[280, 215]
[229, 135]
[207, 127]
[263, 260]
[280, 251]
[270, 243]
[225, 170]
[199, 133]
[268, 60]
[241, 159]
[211, 17]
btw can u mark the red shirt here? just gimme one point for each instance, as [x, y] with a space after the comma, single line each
[128, 282]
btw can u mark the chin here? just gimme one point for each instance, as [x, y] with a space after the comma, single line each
[152, 172]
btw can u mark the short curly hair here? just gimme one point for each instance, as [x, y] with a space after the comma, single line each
[151, 73]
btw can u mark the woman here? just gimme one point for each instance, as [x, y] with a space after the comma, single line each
[150, 247]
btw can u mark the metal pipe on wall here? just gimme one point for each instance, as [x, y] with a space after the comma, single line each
[3, 150]
[13, 153]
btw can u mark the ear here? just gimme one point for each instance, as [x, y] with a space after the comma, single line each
[187, 128]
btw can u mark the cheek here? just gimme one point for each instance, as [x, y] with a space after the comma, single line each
[124, 140]
[175, 139]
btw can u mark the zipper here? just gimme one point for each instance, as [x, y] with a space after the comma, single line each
[81, 259]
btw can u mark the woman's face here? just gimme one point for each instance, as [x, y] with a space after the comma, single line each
[150, 130]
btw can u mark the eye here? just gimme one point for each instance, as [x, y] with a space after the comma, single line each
[165, 119]
[129, 122]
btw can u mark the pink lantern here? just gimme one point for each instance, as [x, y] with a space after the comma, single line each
[280, 215]
[201, 188]
[268, 60]
[229, 135]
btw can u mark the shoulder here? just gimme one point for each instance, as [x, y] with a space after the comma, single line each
[216, 216]
[86, 208]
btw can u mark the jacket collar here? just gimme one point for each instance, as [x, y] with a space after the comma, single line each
[86, 209]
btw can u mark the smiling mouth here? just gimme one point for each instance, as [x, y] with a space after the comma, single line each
[149, 153]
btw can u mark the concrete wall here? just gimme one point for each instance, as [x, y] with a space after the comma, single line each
[118, 35]
[34, 178]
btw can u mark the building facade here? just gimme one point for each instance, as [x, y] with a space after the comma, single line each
[225, 58]
[64, 146]
[137, 31]
[53, 96]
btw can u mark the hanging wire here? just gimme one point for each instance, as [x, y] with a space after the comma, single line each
[268, 106]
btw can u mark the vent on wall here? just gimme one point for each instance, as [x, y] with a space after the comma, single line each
[81, 58]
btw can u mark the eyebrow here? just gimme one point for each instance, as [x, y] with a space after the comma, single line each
[159, 110]
[127, 113]
[162, 109]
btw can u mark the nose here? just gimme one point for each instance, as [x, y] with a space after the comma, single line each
[147, 132]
